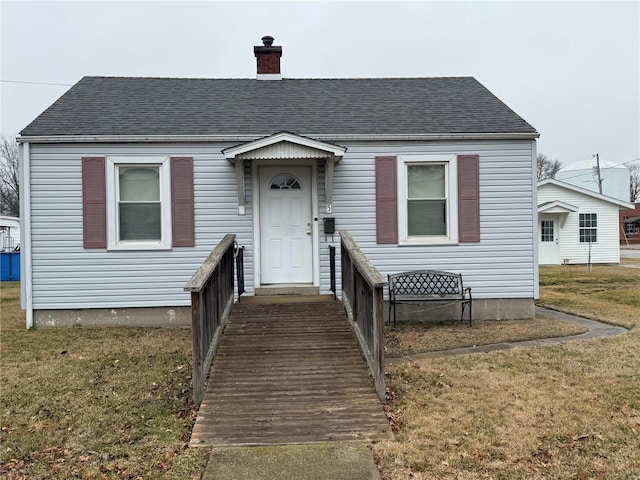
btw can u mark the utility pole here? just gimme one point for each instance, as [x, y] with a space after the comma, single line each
[598, 172]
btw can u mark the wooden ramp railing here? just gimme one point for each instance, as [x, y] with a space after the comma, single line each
[211, 290]
[212, 295]
[363, 297]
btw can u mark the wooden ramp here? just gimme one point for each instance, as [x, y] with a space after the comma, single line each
[288, 373]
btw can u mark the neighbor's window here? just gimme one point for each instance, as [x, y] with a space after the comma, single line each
[139, 212]
[546, 231]
[588, 227]
[631, 228]
[427, 189]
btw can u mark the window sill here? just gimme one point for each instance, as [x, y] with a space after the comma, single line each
[138, 247]
[407, 242]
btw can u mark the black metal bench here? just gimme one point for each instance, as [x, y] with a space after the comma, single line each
[422, 286]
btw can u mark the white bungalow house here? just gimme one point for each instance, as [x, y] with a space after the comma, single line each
[577, 225]
[129, 183]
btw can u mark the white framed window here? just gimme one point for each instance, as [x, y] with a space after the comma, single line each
[588, 227]
[546, 231]
[138, 203]
[427, 199]
[629, 228]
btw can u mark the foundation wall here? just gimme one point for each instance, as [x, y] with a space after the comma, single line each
[116, 317]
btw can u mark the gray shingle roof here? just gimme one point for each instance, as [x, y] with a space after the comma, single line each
[172, 106]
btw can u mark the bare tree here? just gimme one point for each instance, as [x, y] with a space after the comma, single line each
[9, 177]
[634, 184]
[547, 168]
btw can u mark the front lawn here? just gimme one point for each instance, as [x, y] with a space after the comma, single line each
[115, 402]
[569, 411]
[94, 402]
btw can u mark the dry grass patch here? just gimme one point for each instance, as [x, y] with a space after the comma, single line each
[629, 261]
[568, 411]
[607, 293]
[94, 403]
[411, 337]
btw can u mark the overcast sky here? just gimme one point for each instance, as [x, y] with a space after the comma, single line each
[571, 69]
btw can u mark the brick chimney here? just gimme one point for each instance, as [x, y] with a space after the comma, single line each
[268, 59]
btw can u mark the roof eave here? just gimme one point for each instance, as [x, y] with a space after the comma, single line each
[584, 191]
[251, 137]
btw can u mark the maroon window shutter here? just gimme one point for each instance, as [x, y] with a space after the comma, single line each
[182, 203]
[94, 202]
[386, 200]
[469, 198]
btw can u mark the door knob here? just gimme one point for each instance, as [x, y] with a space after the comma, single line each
[308, 232]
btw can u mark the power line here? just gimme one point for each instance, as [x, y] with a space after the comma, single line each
[620, 164]
[587, 173]
[630, 161]
[603, 169]
[37, 83]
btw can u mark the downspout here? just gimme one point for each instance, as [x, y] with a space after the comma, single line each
[26, 286]
[534, 176]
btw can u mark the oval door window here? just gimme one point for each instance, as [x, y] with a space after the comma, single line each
[285, 181]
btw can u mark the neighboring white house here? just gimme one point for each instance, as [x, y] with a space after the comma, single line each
[576, 225]
[9, 233]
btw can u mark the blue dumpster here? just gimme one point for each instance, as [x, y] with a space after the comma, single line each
[10, 266]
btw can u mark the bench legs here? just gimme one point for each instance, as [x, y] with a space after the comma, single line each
[464, 305]
[392, 304]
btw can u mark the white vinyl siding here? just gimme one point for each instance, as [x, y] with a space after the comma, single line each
[607, 247]
[65, 275]
[502, 265]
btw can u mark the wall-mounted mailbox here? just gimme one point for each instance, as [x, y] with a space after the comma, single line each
[329, 225]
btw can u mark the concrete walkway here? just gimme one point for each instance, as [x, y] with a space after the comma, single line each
[595, 330]
[354, 460]
[319, 461]
[630, 251]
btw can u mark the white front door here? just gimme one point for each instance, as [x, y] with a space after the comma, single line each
[549, 244]
[286, 246]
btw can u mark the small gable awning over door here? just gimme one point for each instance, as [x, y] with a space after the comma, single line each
[284, 146]
[562, 209]
[557, 207]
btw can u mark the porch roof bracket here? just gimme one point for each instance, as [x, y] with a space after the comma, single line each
[328, 183]
[239, 164]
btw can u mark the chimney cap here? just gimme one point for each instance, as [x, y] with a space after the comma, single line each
[267, 40]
